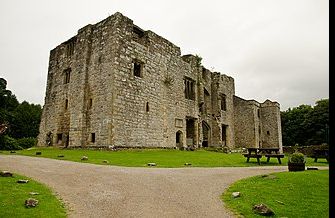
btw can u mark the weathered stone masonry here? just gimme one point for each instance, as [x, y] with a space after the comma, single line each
[114, 84]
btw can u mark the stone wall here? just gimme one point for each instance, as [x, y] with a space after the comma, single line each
[115, 84]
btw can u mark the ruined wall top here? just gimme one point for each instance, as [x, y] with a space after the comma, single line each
[146, 37]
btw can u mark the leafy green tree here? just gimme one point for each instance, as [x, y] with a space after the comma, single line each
[306, 125]
[22, 119]
[26, 120]
[8, 102]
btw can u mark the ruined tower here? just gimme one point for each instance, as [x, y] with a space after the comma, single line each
[114, 84]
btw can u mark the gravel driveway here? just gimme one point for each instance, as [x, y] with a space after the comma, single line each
[108, 191]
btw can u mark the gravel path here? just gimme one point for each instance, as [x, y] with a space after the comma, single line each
[108, 191]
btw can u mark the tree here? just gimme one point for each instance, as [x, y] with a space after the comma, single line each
[306, 125]
[21, 121]
[26, 120]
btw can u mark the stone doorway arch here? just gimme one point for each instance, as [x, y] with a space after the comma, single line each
[206, 130]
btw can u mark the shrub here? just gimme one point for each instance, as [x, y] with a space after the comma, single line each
[27, 142]
[8, 143]
[297, 157]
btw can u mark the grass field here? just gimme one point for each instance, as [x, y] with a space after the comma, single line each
[13, 196]
[289, 194]
[162, 157]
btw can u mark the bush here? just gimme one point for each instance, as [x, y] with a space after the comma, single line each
[27, 142]
[9, 143]
[297, 157]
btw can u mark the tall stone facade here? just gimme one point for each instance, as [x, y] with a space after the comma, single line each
[114, 84]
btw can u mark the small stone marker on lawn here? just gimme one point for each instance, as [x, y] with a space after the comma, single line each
[105, 161]
[263, 209]
[31, 202]
[38, 152]
[34, 193]
[84, 158]
[22, 181]
[151, 164]
[187, 164]
[6, 174]
[12, 152]
[60, 155]
[236, 194]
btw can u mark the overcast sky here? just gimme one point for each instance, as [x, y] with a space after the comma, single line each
[274, 49]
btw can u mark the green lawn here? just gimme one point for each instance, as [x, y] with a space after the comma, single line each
[162, 157]
[289, 194]
[13, 196]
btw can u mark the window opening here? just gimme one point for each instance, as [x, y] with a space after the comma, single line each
[147, 107]
[90, 103]
[93, 137]
[223, 102]
[189, 88]
[67, 75]
[138, 69]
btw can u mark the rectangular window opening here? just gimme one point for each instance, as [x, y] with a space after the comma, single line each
[138, 67]
[147, 107]
[67, 75]
[90, 103]
[223, 102]
[66, 104]
[189, 88]
[93, 137]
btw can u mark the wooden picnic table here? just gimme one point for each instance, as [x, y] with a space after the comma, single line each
[267, 152]
[320, 153]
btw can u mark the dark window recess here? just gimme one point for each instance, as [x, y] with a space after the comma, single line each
[138, 69]
[258, 113]
[223, 102]
[204, 77]
[259, 130]
[67, 75]
[147, 107]
[189, 88]
[268, 132]
[59, 138]
[93, 137]
[66, 104]
[90, 104]
[70, 47]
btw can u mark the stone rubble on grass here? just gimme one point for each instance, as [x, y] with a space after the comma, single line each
[22, 181]
[38, 153]
[84, 158]
[34, 193]
[236, 194]
[151, 164]
[60, 155]
[6, 174]
[12, 152]
[263, 209]
[105, 161]
[187, 164]
[31, 202]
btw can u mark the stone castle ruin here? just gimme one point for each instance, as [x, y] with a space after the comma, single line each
[115, 84]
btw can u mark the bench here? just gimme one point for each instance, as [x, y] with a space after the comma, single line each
[320, 153]
[248, 156]
[278, 156]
